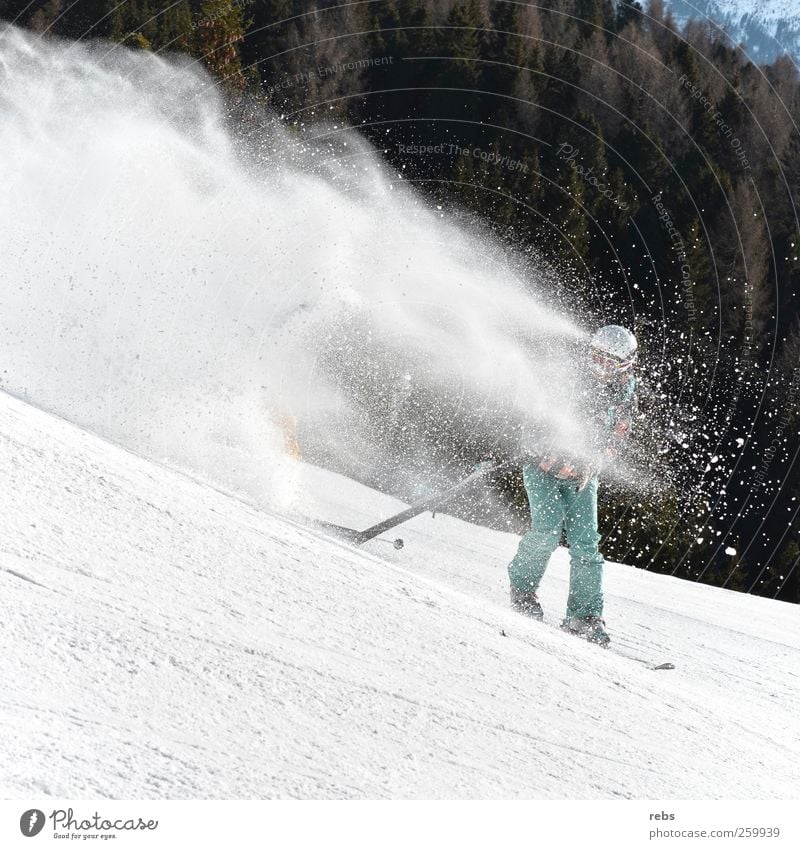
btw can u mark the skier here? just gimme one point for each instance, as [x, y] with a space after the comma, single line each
[562, 493]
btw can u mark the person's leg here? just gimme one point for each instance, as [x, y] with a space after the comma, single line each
[547, 518]
[586, 562]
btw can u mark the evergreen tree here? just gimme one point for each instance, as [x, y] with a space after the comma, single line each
[594, 15]
[218, 33]
[628, 14]
[460, 40]
[502, 49]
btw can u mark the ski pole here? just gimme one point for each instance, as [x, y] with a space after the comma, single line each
[396, 543]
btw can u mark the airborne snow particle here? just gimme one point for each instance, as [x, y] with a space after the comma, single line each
[730, 550]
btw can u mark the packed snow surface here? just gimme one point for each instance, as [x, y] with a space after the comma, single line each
[163, 639]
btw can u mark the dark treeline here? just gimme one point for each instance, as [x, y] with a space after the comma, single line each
[657, 169]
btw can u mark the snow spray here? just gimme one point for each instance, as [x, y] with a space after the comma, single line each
[201, 298]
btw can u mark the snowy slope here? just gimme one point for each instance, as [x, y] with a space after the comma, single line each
[767, 28]
[163, 639]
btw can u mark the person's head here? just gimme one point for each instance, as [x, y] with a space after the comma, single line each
[612, 352]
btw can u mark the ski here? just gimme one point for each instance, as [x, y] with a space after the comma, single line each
[621, 649]
[613, 648]
[432, 503]
[655, 667]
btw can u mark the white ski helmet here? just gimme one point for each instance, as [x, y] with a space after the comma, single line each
[613, 351]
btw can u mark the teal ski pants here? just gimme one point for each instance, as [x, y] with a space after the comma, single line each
[555, 505]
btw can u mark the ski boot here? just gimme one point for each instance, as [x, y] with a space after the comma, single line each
[527, 604]
[591, 628]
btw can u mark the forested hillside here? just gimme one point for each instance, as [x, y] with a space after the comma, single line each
[656, 169]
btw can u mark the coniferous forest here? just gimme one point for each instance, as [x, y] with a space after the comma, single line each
[656, 168]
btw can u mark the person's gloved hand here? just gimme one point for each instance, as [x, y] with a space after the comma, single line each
[563, 468]
[547, 463]
[559, 467]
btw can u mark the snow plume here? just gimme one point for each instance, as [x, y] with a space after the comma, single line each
[198, 297]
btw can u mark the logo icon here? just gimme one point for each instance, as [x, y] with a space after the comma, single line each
[31, 822]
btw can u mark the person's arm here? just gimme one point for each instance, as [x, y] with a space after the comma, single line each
[621, 421]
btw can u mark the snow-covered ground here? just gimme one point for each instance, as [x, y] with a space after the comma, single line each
[161, 639]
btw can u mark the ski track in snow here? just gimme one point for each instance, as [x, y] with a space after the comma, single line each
[162, 639]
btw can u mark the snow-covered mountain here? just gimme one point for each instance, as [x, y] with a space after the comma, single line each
[163, 639]
[767, 28]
